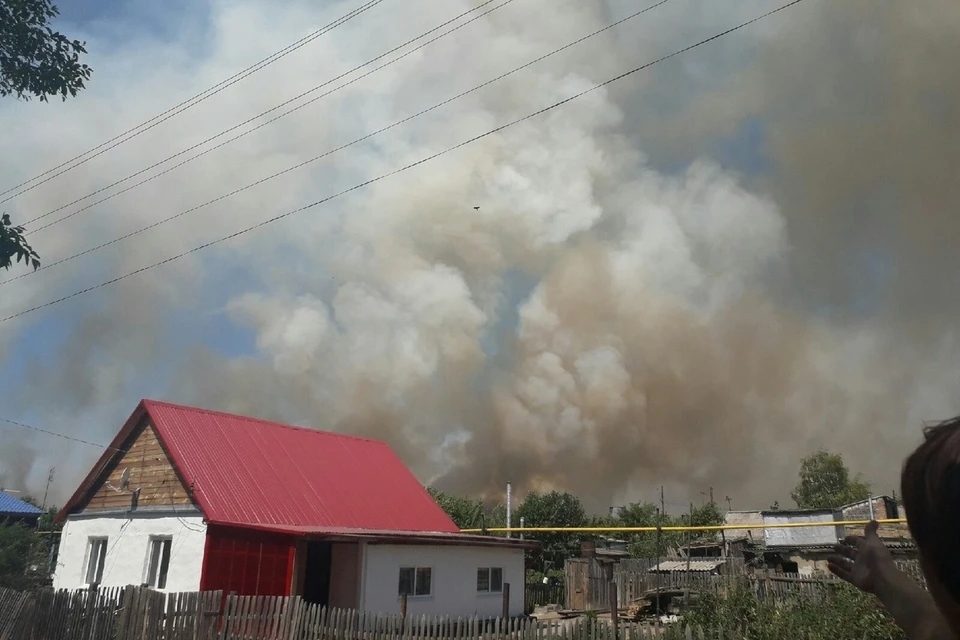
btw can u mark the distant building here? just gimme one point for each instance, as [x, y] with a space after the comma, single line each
[804, 550]
[187, 499]
[14, 510]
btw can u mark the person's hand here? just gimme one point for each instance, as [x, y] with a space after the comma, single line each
[863, 561]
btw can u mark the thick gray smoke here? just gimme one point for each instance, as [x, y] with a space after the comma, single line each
[632, 305]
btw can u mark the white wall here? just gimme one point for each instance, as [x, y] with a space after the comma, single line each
[454, 579]
[800, 536]
[128, 538]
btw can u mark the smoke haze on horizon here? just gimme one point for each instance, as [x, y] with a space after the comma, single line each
[632, 305]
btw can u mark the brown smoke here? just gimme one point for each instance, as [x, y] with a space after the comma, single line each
[605, 323]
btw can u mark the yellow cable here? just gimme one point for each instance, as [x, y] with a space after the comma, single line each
[720, 527]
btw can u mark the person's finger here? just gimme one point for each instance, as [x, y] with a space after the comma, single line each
[854, 541]
[871, 529]
[846, 550]
[841, 570]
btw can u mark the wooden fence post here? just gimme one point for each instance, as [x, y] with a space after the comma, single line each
[91, 604]
[614, 611]
[506, 601]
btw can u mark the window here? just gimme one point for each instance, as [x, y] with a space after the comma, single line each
[489, 580]
[158, 562]
[97, 554]
[416, 581]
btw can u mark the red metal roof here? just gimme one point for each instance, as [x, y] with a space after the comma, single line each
[245, 471]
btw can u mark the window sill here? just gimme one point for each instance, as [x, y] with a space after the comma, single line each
[498, 594]
[409, 598]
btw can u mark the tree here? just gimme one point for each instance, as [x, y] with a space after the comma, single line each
[13, 244]
[35, 60]
[465, 513]
[553, 509]
[644, 544]
[825, 483]
[23, 557]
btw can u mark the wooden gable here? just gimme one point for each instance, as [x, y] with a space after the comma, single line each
[148, 468]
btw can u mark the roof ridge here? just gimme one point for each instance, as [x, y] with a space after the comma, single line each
[337, 434]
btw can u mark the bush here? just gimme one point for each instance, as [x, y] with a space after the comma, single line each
[23, 558]
[844, 613]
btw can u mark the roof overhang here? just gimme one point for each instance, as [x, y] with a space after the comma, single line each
[383, 536]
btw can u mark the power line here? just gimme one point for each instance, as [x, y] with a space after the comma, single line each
[268, 111]
[331, 152]
[186, 104]
[403, 168]
[54, 433]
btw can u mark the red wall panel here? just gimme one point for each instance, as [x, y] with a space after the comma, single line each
[248, 563]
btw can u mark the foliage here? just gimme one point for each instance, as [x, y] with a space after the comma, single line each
[13, 244]
[553, 509]
[465, 513]
[825, 483]
[45, 523]
[23, 557]
[644, 514]
[35, 60]
[848, 613]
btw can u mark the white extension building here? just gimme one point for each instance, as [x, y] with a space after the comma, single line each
[187, 499]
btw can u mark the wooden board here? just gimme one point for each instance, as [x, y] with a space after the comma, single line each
[150, 470]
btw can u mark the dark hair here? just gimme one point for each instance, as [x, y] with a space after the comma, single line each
[930, 484]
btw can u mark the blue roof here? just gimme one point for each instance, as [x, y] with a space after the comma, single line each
[10, 505]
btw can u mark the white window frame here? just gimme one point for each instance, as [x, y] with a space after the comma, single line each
[489, 572]
[155, 554]
[96, 559]
[416, 571]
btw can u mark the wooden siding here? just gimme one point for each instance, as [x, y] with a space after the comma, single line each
[150, 471]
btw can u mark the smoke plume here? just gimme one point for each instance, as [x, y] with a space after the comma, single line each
[649, 293]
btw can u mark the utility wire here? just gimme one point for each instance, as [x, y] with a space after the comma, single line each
[332, 151]
[403, 168]
[183, 106]
[54, 433]
[268, 111]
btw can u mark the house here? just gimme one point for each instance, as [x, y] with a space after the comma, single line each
[14, 510]
[186, 499]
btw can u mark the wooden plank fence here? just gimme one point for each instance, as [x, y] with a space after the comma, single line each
[586, 582]
[540, 594]
[136, 613]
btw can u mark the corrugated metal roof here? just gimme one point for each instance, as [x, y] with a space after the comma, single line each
[681, 565]
[244, 470]
[10, 505]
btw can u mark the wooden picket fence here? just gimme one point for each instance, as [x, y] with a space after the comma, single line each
[136, 613]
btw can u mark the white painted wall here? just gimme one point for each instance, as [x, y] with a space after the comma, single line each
[454, 579]
[128, 541]
[800, 536]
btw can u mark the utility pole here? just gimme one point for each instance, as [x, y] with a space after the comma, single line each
[689, 524]
[729, 507]
[509, 533]
[658, 566]
[711, 493]
[661, 513]
[47, 489]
